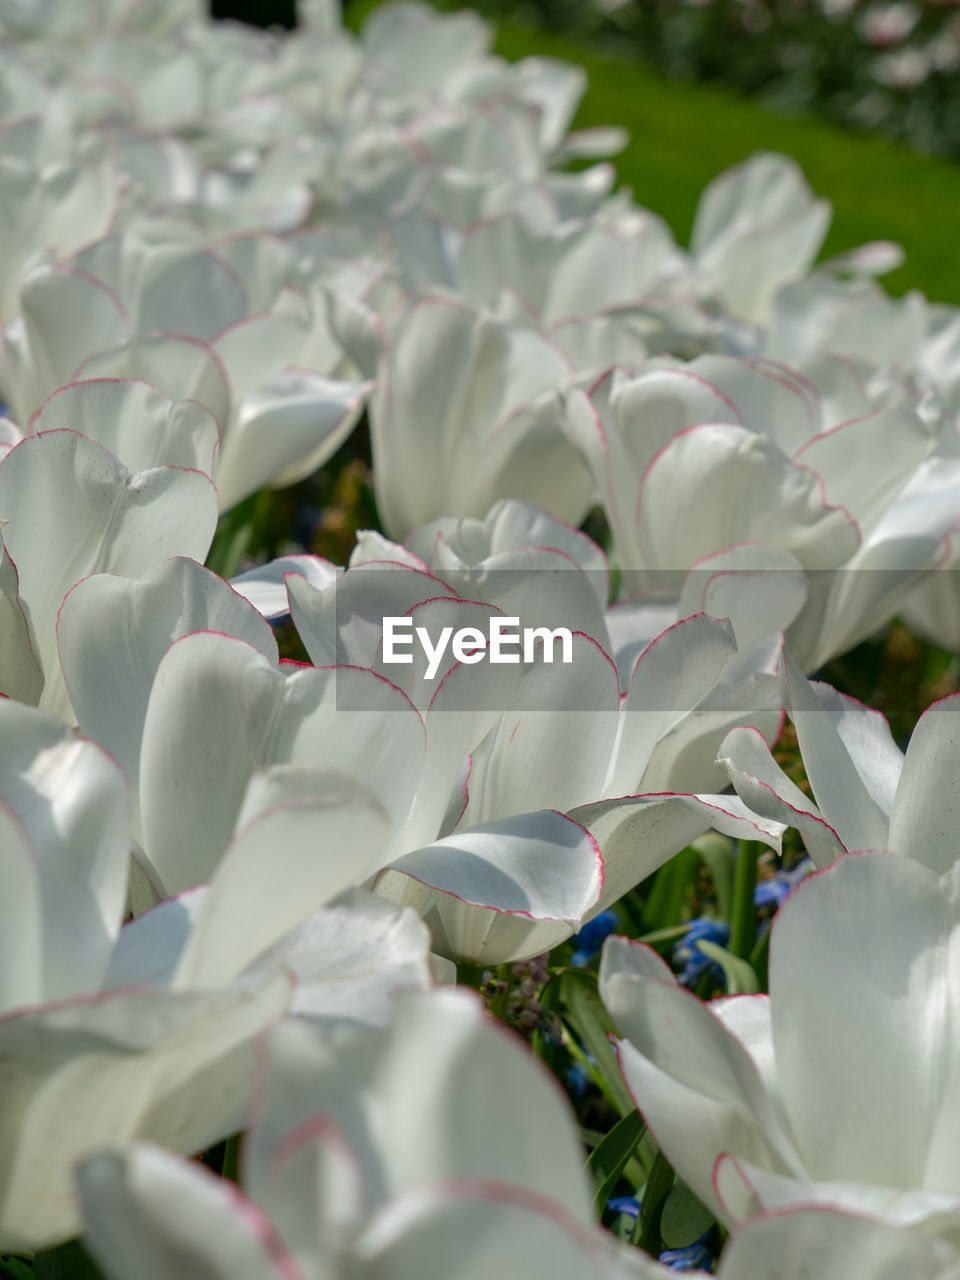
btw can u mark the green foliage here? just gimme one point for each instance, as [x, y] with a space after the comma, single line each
[682, 135]
[647, 1232]
[612, 1154]
[68, 1262]
[15, 1269]
[739, 974]
[685, 1217]
[572, 995]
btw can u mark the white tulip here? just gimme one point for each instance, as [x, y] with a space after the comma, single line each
[840, 1088]
[70, 509]
[507, 745]
[436, 1147]
[222, 327]
[692, 459]
[868, 793]
[758, 227]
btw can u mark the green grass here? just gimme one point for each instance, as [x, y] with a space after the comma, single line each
[682, 135]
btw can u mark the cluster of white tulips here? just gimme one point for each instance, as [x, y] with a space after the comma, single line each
[237, 889]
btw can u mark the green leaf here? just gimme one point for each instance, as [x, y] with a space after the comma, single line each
[15, 1269]
[673, 887]
[718, 856]
[743, 917]
[646, 1231]
[611, 1156]
[685, 1218]
[232, 539]
[740, 976]
[760, 959]
[68, 1262]
[240, 533]
[592, 1026]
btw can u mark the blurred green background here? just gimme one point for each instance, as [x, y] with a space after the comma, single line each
[683, 134]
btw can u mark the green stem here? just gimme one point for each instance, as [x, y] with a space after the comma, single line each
[231, 1159]
[240, 533]
[15, 1268]
[578, 1055]
[646, 1230]
[743, 923]
[760, 957]
[672, 934]
[500, 1003]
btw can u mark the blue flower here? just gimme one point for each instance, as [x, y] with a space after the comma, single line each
[771, 894]
[695, 1257]
[687, 954]
[591, 937]
[578, 1078]
[629, 1205]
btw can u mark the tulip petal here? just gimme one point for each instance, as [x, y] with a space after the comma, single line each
[149, 947]
[113, 632]
[472, 1230]
[745, 1188]
[138, 1060]
[868, 459]
[817, 712]
[695, 1082]
[926, 808]
[212, 702]
[671, 677]
[715, 486]
[149, 1214]
[285, 429]
[265, 586]
[279, 867]
[833, 1244]
[540, 865]
[136, 423]
[399, 1098]
[178, 366]
[71, 803]
[21, 941]
[73, 510]
[762, 784]
[758, 589]
[219, 709]
[637, 834]
[20, 674]
[555, 737]
[889, 925]
[353, 958]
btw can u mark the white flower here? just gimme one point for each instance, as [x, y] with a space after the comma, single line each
[70, 508]
[506, 745]
[833, 1245]
[884, 26]
[840, 1088]
[467, 410]
[695, 458]
[72, 20]
[757, 227]
[578, 281]
[226, 327]
[868, 793]
[83, 1056]
[146, 1031]
[51, 196]
[435, 1148]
